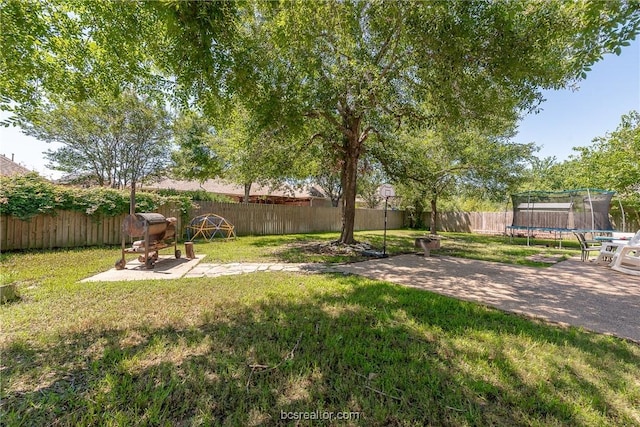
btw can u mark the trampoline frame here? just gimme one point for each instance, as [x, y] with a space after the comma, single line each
[530, 207]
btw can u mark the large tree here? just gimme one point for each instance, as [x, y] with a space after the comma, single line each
[197, 156]
[368, 68]
[612, 162]
[112, 141]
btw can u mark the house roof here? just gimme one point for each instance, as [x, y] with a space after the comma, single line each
[219, 186]
[8, 167]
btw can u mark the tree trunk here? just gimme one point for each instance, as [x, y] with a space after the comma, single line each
[132, 199]
[434, 215]
[247, 192]
[349, 179]
[419, 212]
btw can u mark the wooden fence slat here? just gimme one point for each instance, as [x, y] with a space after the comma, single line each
[11, 230]
[3, 233]
[82, 230]
[24, 234]
[11, 234]
[50, 230]
[9, 240]
[38, 231]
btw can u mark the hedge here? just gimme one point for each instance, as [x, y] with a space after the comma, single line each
[25, 196]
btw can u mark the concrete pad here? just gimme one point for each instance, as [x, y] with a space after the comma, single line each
[571, 292]
[167, 267]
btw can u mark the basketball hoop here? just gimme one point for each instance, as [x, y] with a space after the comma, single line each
[387, 190]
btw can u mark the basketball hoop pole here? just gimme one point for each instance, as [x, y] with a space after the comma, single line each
[384, 238]
[386, 191]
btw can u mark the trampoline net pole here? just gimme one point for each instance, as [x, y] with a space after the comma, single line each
[593, 219]
[529, 221]
[624, 223]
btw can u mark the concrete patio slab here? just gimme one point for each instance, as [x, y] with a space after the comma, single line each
[167, 267]
[571, 292]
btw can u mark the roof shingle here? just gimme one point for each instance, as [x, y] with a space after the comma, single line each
[9, 167]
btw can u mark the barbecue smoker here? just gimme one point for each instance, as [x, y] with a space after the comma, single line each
[157, 232]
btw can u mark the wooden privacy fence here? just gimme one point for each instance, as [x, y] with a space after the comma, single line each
[496, 222]
[65, 229]
[473, 222]
[262, 219]
[71, 229]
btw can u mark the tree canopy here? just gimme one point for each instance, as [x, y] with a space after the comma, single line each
[237, 149]
[432, 165]
[113, 142]
[611, 162]
[364, 69]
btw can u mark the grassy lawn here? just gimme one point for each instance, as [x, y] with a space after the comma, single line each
[301, 247]
[244, 350]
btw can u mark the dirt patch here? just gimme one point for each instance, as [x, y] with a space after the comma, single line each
[549, 259]
[331, 248]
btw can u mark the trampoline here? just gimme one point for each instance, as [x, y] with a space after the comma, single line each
[583, 210]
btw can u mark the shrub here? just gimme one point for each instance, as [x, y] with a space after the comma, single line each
[25, 196]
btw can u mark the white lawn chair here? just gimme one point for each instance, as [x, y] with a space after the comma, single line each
[627, 258]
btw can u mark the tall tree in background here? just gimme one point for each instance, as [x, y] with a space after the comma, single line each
[432, 165]
[613, 161]
[328, 179]
[197, 156]
[236, 149]
[544, 174]
[370, 177]
[112, 141]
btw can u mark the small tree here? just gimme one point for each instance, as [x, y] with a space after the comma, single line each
[371, 178]
[433, 164]
[235, 148]
[196, 156]
[328, 179]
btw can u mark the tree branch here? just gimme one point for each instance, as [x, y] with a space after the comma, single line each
[266, 368]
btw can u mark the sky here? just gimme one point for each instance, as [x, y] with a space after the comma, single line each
[568, 118]
[574, 118]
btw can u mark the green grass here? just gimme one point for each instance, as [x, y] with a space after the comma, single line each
[502, 249]
[239, 350]
[296, 247]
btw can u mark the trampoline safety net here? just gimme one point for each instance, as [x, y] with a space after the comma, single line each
[572, 210]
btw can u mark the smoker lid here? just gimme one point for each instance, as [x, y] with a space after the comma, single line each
[151, 218]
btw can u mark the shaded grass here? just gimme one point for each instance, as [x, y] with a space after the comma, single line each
[239, 350]
[503, 249]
